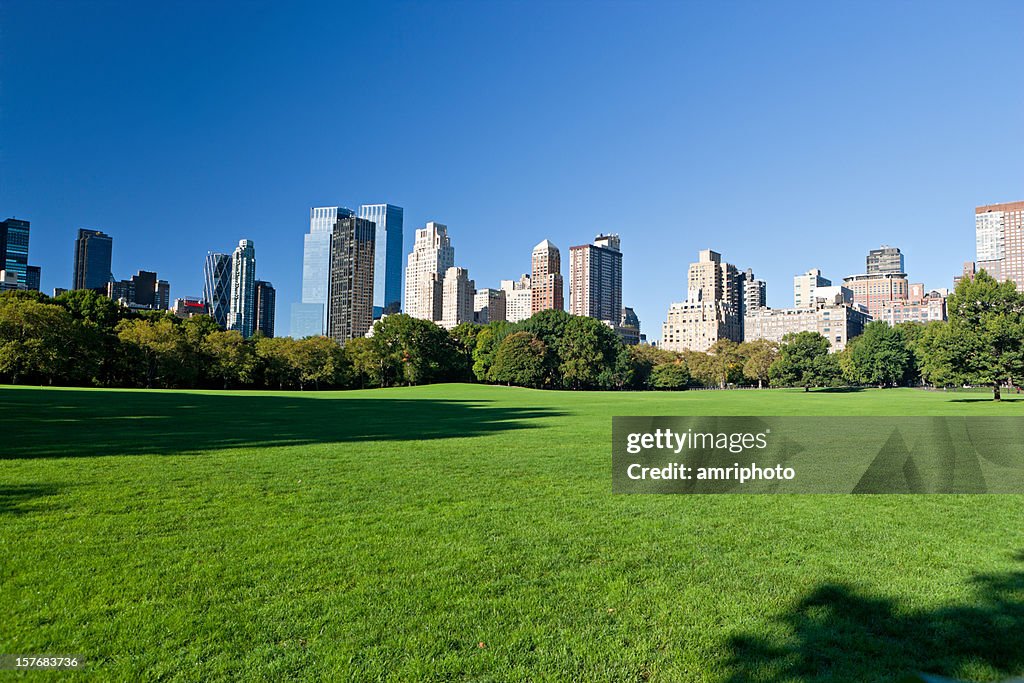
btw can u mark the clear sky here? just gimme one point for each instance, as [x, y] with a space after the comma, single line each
[786, 135]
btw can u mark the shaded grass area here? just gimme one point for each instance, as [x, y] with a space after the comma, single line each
[387, 534]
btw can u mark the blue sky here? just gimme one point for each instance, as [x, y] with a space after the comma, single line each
[786, 135]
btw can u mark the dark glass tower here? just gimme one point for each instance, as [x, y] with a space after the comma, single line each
[14, 248]
[266, 303]
[350, 299]
[92, 260]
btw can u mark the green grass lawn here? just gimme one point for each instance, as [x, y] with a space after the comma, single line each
[461, 532]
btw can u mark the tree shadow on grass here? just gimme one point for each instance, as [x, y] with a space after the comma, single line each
[987, 399]
[56, 423]
[18, 499]
[839, 634]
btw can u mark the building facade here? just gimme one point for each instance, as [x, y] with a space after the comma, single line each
[999, 241]
[755, 292]
[874, 292]
[14, 239]
[628, 328]
[189, 307]
[546, 286]
[217, 287]
[33, 278]
[920, 306]
[92, 260]
[518, 298]
[712, 310]
[805, 286]
[837, 321]
[316, 272]
[458, 298]
[489, 306]
[242, 299]
[885, 259]
[432, 255]
[142, 291]
[353, 252]
[266, 307]
[595, 279]
[387, 268]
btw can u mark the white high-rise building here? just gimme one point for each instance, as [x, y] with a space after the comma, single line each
[309, 318]
[432, 255]
[518, 299]
[457, 298]
[804, 287]
[242, 307]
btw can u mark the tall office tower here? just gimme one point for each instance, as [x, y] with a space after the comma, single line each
[805, 285]
[755, 292]
[457, 298]
[432, 255]
[162, 300]
[266, 302]
[387, 269]
[712, 309]
[595, 279]
[518, 298]
[14, 249]
[92, 260]
[217, 286]
[350, 299]
[32, 278]
[999, 239]
[489, 306]
[546, 280]
[242, 299]
[316, 272]
[885, 259]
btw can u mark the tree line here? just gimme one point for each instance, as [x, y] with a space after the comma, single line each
[82, 338]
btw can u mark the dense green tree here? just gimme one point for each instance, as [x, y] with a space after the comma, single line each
[723, 364]
[92, 307]
[413, 351]
[276, 361]
[879, 356]
[986, 318]
[363, 361]
[232, 359]
[521, 359]
[670, 376]
[38, 341]
[156, 353]
[758, 354]
[320, 363]
[487, 342]
[804, 360]
[465, 337]
[586, 348]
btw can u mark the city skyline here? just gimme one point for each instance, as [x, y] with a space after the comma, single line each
[866, 160]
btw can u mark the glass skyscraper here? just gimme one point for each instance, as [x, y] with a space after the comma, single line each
[316, 272]
[242, 309]
[15, 249]
[92, 260]
[217, 286]
[387, 272]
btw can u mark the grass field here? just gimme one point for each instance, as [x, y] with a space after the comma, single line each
[463, 532]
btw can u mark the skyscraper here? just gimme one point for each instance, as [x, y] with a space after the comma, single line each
[32, 278]
[142, 290]
[14, 244]
[999, 240]
[316, 272]
[457, 306]
[885, 259]
[242, 301]
[489, 306]
[595, 279]
[92, 260]
[217, 286]
[387, 269]
[432, 255]
[266, 302]
[546, 281]
[712, 309]
[353, 251]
